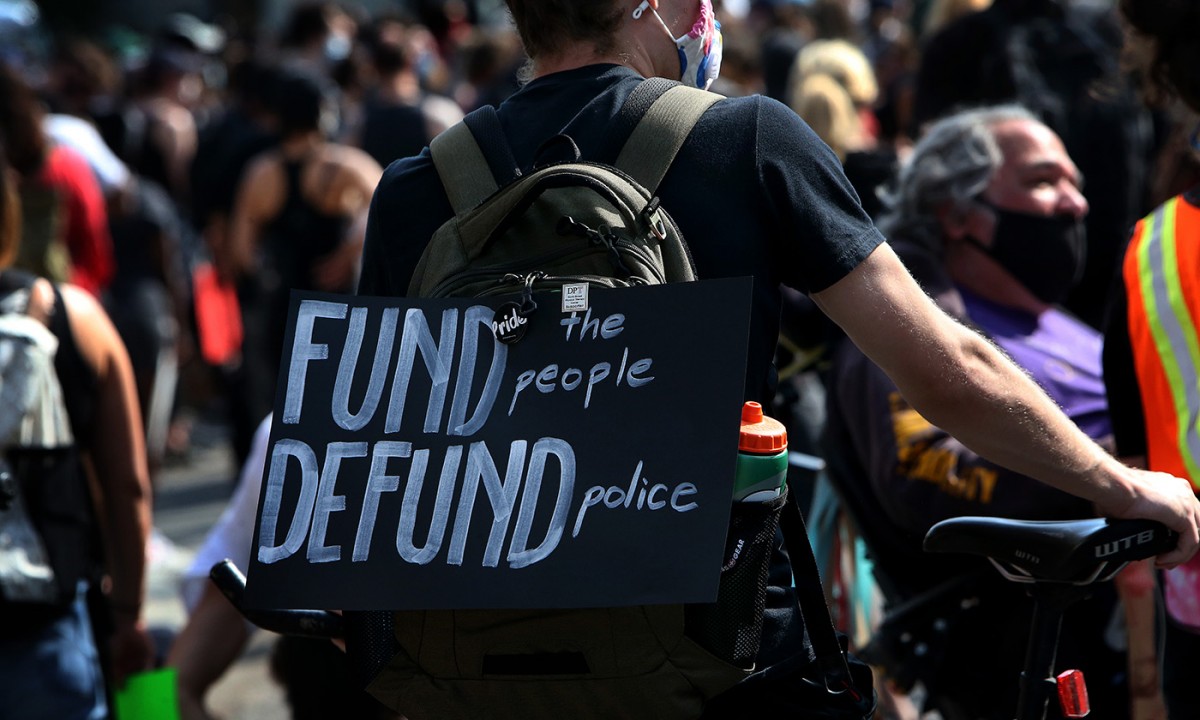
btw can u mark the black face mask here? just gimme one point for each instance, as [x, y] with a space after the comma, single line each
[1044, 253]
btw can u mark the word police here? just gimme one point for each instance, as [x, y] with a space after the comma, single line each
[513, 500]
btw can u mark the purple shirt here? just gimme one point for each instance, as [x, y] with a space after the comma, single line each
[1059, 352]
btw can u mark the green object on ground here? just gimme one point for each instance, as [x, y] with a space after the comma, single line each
[149, 695]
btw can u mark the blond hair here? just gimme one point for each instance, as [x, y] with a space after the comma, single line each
[840, 60]
[827, 108]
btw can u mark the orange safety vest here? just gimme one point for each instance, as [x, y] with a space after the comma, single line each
[1162, 280]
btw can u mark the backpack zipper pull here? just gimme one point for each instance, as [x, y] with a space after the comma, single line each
[610, 240]
[653, 220]
[568, 225]
[528, 305]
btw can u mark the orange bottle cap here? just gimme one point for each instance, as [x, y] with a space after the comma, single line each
[761, 435]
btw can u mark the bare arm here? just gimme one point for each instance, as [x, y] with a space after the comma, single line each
[357, 176]
[259, 196]
[176, 134]
[118, 455]
[963, 384]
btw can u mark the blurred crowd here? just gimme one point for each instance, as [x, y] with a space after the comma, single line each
[191, 179]
[174, 212]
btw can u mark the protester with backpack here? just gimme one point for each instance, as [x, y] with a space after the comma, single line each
[754, 192]
[72, 586]
[64, 235]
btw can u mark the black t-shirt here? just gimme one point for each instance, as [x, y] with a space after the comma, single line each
[753, 190]
[393, 130]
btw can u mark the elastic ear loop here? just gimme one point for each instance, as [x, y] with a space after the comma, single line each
[641, 10]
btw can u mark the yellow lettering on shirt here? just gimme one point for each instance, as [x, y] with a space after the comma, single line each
[918, 460]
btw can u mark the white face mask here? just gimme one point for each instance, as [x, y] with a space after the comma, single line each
[337, 47]
[699, 49]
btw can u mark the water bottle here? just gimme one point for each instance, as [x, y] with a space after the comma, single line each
[731, 628]
[762, 460]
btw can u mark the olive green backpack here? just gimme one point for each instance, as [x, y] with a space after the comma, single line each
[570, 221]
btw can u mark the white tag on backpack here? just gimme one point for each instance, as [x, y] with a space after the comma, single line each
[575, 297]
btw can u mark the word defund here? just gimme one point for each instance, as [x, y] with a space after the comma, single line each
[515, 495]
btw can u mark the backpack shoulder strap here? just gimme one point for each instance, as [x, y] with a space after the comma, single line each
[485, 126]
[665, 124]
[473, 159]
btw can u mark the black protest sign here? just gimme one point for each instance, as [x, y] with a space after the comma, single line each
[417, 462]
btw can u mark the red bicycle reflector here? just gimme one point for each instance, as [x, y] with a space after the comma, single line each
[1072, 694]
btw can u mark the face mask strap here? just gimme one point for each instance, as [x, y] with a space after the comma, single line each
[641, 10]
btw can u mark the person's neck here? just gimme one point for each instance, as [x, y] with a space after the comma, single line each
[403, 87]
[299, 145]
[634, 57]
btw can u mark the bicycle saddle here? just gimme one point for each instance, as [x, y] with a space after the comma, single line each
[1071, 551]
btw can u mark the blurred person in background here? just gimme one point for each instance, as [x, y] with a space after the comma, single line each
[245, 128]
[84, 82]
[314, 673]
[297, 224]
[65, 234]
[91, 509]
[148, 298]
[782, 28]
[315, 37]
[399, 116]
[1061, 61]
[150, 301]
[489, 62]
[1150, 359]
[987, 215]
[161, 139]
[155, 127]
[833, 88]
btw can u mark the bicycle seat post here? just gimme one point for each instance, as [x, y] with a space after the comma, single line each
[1050, 602]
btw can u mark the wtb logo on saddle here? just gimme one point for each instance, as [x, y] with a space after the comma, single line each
[1115, 546]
